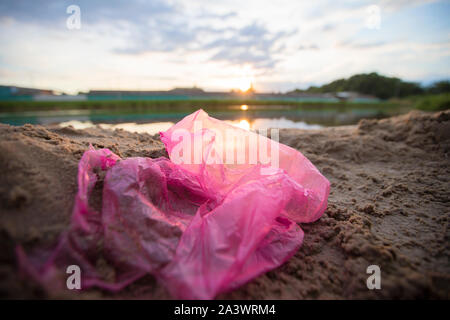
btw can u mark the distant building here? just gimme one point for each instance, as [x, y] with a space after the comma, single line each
[354, 96]
[187, 91]
[194, 93]
[13, 91]
[124, 93]
[32, 94]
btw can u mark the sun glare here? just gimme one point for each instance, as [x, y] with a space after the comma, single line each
[244, 107]
[245, 82]
[244, 124]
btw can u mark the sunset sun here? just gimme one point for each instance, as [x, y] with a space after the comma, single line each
[246, 79]
[245, 84]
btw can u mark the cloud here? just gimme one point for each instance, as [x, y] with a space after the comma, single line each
[182, 42]
[397, 5]
[251, 44]
[308, 47]
[160, 26]
[328, 27]
[360, 45]
[53, 11]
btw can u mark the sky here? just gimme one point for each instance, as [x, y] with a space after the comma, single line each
[276, 46]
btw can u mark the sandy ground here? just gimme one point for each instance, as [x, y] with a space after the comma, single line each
[389, 206]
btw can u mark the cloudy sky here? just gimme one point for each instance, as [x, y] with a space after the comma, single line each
[219, 45]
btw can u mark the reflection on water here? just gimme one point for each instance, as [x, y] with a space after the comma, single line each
[150, 128]
[243, 124]
[280, 123]
[249, 117]
[246, 121]
[156, 127]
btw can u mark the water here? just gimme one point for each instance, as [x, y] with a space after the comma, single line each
[155, 127]
[247, 117]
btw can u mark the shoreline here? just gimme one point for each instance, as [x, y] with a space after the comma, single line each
[388, 206]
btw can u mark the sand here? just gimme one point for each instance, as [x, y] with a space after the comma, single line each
[389, 206]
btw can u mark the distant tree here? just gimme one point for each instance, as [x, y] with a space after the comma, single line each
[439, 87]
[371, 84]
[296, 91]
[314, 89]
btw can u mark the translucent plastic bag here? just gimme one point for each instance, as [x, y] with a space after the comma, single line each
[201, 225]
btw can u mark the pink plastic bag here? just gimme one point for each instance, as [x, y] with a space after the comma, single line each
[201, 223]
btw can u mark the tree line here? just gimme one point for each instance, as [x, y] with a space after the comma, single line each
[379, 86]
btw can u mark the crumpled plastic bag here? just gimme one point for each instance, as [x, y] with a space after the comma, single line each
[200, 227]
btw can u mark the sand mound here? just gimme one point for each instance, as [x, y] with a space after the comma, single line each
[388, 206]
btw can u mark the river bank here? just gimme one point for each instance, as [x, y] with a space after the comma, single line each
[388, 206]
